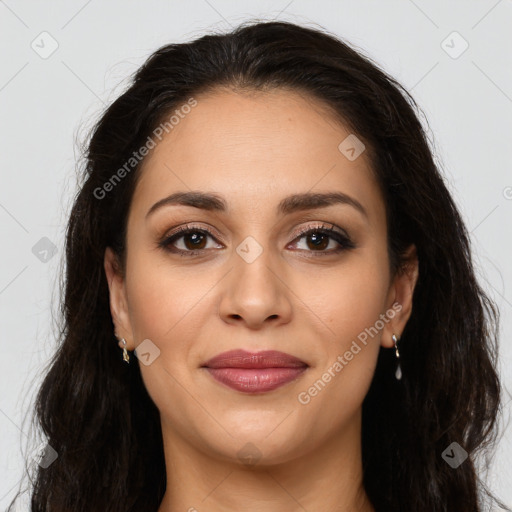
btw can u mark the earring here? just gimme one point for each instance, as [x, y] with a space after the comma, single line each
[126, 357]
[398, 373]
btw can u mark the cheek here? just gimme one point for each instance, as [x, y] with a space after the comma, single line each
[161, 304]
[349, 299]
[160, 299]
[353, 300]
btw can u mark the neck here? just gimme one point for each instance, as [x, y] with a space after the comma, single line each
[326, 477]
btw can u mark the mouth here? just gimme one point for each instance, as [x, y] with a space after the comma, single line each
[255, 372]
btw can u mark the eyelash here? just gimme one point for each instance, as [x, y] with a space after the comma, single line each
[342, 239]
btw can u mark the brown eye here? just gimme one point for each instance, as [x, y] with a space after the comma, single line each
[324, 240]
[196, 239]
[319, 239]
[187, 241]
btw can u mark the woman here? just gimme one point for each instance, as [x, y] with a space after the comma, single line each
[263, 227]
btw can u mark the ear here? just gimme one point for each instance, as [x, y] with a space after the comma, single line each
[400, 297]
[118, 302]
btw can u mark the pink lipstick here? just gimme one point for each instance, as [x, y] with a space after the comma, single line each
[255, 372]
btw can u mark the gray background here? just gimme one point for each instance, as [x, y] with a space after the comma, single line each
[47, 104]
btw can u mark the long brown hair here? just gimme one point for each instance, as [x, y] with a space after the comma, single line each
[95, 411]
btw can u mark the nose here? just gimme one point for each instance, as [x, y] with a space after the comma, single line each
[256, 294]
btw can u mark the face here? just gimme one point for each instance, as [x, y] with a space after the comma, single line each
[262, 273]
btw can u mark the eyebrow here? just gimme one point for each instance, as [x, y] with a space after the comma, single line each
[288, 205]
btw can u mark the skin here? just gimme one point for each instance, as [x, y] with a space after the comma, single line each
[254, 149]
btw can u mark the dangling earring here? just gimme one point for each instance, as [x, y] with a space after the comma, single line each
[126, 357]
[398, 373]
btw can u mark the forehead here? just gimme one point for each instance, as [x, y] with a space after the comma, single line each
[254, 148]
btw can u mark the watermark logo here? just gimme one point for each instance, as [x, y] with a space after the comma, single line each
[454, 45]
[44, 250]
[249, 249]
[249, 454]
[454, 455]
[137, 156]
[351, 147]
[304, 397]
[45, 45]
[146, 352]
[44, 455]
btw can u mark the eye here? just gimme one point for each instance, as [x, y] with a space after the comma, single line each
[193, 240]
[318, 239]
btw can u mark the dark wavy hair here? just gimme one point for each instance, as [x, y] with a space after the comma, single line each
[94, 410]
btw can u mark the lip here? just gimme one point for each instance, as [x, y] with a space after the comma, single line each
[255, 372]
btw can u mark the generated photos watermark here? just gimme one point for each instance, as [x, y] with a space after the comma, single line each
[304, 397]
[137, 156]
